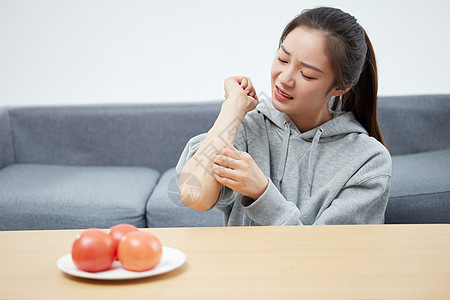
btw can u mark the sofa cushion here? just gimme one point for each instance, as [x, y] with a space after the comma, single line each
[165, 209]
[420, 188]
[69, 197]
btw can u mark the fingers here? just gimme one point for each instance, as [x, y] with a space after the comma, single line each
[236, 170]
[250, 89]
[224, 161]
[231, 152]
[228, 157]
[244, 85]
[244, 82]
[221, 171]
[228, 177]
[225, 181]
[255, 96]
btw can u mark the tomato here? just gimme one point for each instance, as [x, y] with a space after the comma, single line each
[93, 251]
[117, 232]
[139, 251]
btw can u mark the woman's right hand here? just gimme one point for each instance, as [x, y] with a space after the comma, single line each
[240, 92]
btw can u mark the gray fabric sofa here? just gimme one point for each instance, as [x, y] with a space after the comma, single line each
[86, 166]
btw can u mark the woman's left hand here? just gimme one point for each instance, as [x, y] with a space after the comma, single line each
[238, 171]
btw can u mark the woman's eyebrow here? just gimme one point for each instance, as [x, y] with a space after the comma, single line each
[302, 62]
[284, 49]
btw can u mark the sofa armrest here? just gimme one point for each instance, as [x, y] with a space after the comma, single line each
[413, 124]
[6, 139]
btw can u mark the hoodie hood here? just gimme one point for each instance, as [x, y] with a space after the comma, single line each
[339, 126]
[342, 123]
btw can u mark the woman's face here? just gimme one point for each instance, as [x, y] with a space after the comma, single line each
[302, 76]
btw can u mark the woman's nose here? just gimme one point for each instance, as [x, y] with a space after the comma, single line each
[287, 78]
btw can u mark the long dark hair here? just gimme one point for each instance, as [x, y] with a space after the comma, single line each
[352, 59]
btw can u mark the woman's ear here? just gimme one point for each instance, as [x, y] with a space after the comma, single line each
[341, 90]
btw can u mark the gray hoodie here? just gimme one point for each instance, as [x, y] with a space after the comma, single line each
[332, 174]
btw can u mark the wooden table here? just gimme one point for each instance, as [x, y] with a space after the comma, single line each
[337, 262]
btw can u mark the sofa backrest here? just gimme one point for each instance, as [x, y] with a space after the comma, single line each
[6, 141]
[412, 124]
[151, 135]
[154, 135]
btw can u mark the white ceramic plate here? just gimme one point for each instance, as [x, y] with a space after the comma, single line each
[171, 259]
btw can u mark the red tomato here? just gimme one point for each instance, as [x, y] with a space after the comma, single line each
[93, 251]
[139, 251]
[117, 232]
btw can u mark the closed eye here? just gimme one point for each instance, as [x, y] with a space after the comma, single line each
[304, 76]
[307, 77]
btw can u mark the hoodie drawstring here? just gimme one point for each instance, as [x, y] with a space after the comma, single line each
[312, 157]
[284, 149]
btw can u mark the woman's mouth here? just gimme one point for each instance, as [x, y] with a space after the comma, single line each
[282, 95]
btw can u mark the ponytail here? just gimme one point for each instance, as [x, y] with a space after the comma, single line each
[362, 98]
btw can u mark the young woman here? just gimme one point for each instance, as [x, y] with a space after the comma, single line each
[293, 160]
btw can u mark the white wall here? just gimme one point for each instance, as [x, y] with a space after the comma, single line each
[86, 51]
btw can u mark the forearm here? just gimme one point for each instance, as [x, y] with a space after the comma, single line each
[198, 167]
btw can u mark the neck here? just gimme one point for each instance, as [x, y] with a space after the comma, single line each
[308, 121]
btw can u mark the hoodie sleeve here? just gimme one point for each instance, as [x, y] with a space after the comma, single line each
[364, 197]
[271, 209]
[189, 150]
[362, 201]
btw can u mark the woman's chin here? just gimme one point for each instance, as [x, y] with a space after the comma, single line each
[278, 105]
